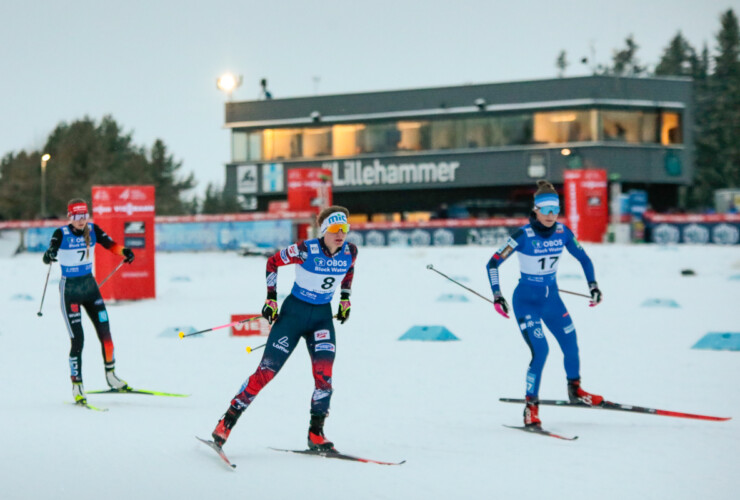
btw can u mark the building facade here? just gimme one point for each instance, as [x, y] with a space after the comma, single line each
[479, 147]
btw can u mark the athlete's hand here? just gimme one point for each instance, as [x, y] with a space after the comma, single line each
[49, 256]
[270, 309]
[500, 304]
[595, 294]
[344, 308]
[128, 254]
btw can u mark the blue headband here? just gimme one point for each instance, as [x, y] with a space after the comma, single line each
[547, 200]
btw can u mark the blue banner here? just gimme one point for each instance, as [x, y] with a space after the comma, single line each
[197, 236]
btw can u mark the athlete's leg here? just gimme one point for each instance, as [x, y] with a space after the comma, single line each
[73, 320]
[98, 314]
[283, 338]
[559, 322]
[321, 345]
[527, 302]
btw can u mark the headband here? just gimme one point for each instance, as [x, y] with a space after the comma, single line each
[76, 209]
[546, 200]
[334, 218]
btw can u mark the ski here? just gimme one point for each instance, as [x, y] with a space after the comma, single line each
[218, 450]
[608, 405]
[139, 391]
[87, 405]
[340, 456]
[536, 429]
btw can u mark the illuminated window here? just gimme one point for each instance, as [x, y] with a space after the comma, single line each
[511, 130]
[621, 126]
[344, 139]
[317, 142]
[670, 128]
[412, 134]
[562, 126]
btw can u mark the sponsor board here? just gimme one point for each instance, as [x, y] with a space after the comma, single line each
[255, 327]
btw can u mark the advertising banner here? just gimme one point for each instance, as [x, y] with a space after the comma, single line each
[586, 207]
[126, 213]
[721, 229]
[255, 327]
[485, 232]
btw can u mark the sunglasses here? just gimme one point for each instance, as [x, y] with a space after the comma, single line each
[549, 210]
[335, 228]
[78, 216]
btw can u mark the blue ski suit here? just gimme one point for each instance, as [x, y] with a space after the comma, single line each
[536, 298]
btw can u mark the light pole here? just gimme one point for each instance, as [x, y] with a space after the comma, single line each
[44, 159]
[228, 83]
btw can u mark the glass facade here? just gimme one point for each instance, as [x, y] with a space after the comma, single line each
[464, 132]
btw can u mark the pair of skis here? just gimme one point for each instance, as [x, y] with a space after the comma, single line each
[127, 390]
[326, 454]
[605, 405]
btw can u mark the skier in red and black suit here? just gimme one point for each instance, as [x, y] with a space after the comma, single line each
[324, 264]
[73, 246]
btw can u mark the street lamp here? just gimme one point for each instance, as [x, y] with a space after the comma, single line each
[228, 83]
[44, 159]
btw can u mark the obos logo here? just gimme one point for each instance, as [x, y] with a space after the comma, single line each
[321, 262]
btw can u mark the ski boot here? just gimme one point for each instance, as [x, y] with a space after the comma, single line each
[114, 382]
[578, 395]
[316, 439]
[221, 433]
[79, 393]
[532, 412]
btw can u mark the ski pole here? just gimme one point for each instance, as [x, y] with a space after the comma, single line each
[487, 299]
[182, 335]
[431, 267]
[43, 295]
[250, 349]
[112, 273]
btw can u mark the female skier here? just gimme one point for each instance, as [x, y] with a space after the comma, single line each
[536, 299]
[74, 246]
[324, 264]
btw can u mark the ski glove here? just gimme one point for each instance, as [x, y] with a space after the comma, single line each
[500, 304]
[128, 254]
[595, 294]
[270, 309]
[344, 308]
[49, 256]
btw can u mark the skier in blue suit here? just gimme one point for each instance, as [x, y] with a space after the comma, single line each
[539, 246]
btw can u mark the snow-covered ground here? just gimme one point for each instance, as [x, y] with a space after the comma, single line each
[434, 404]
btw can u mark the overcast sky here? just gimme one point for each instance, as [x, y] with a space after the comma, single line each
[153, 64]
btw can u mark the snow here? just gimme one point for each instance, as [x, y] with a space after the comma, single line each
[434, 404]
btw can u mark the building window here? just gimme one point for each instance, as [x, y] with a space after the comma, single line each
[282, 143]
[239, 146]
[510, 130]
[317, 142]
[378, 138]
[621, 126]
[412, 135]
[344, 140]
[553, 127]
[670, 128]
[255, 146]
[477, 133]
[444, 134]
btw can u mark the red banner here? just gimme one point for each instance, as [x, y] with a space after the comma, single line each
[255, 327]
[309, 189]
[126, 213]
[586, 206]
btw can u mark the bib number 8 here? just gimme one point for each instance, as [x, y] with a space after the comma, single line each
[328, 282]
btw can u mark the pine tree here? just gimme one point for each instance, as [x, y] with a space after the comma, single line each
[718, 124]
